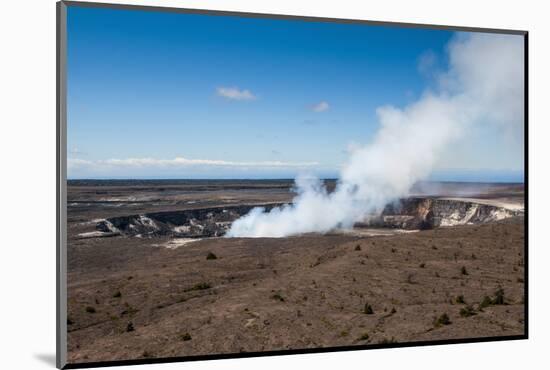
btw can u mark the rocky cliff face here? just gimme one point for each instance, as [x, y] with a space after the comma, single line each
[190, 223]
[411, 213]
[429, 213]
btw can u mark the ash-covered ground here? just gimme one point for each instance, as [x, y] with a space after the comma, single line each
[151, 275]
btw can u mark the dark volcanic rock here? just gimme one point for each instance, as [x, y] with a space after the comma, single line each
[193, 223]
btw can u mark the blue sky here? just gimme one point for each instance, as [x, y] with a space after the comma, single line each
[241, 97]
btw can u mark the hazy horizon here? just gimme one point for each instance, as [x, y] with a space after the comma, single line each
[500, 180]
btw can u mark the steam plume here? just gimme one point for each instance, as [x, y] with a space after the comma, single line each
[483, 85]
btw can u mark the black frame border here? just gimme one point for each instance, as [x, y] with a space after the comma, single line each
[61, 165]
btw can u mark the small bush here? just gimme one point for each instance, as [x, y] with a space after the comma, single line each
[90, 309]
[388, 341]
[368, 309]
[497, 300]
[344, 333]
[117, 294]
[467, 311]
[486, 302]
[422, 265]
[357, 247]
[278, 297]
[200, 286]
[463, 270]
[442, 320]
[363, 337]
[460, 299]
[211, 256]
[185, 337]
[393, 310]
[130, 327]
[499, 296]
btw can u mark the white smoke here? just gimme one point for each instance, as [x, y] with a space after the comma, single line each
[483, 85]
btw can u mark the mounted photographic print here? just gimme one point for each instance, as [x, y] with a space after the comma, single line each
[234, 184]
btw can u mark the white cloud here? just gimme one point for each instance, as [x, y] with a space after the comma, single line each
[320, 107]
[73, 163]
[234, 93]
[178, 162]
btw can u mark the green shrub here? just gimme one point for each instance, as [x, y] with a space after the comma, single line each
[368, 309]
[90, 309]
[497, 300]
[467, 311]
[130, 327]
[363, 337]
[185, 337]
[199, 286]
[442, 320]
[486, 302]
[499, 296]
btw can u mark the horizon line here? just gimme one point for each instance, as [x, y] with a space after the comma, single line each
[276, 179]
